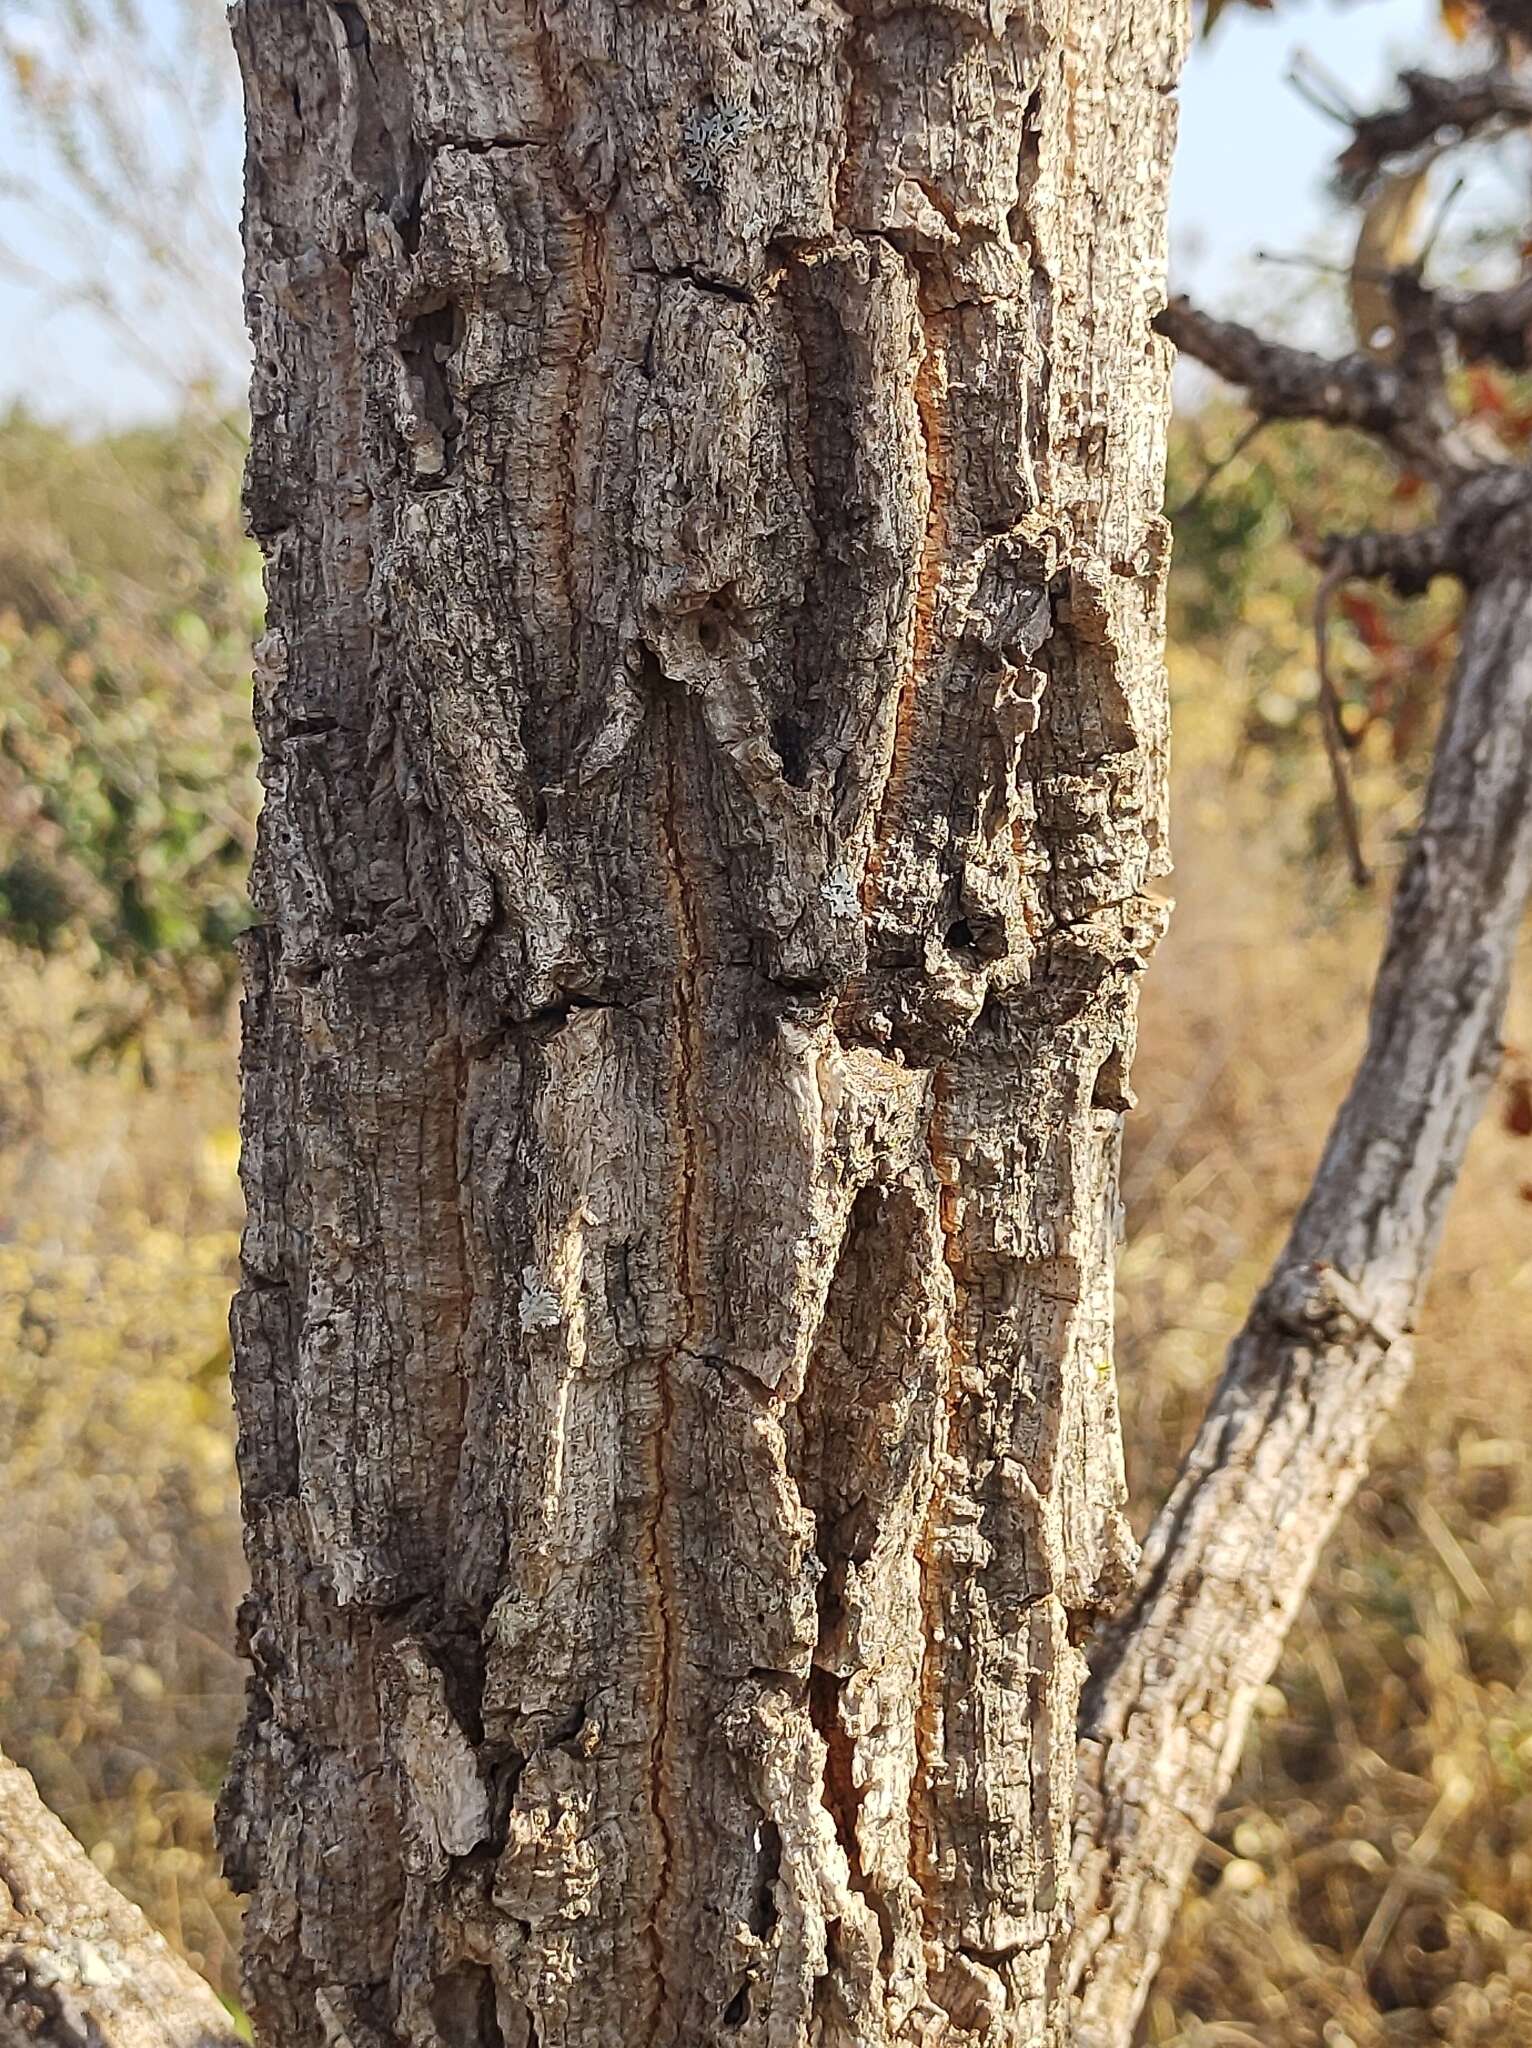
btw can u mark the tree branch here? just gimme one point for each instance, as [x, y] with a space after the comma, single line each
[1325, 1351]
[1284, 383]
[1430, 105]
[79, 1966]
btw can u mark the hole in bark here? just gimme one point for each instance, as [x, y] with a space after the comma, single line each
[463, 2007]
[763, 1904]
[737, 2011]
[1111, 1090]
[621, 1300]
[354, 22]
[427, 344]
[790, 737]
[972, 934]
[1433, 1935]
[841, 1797]
[709, 632]
[386, 159]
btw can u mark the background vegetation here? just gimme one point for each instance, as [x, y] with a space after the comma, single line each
[1371, 1880]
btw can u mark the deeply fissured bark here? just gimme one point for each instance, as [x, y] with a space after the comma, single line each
[708, 462]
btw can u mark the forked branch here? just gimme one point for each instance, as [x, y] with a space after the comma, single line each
[1429, 108]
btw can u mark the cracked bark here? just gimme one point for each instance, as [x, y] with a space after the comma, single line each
[708, 465]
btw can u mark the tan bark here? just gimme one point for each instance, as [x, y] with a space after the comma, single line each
[79, 1966]
[708, 461]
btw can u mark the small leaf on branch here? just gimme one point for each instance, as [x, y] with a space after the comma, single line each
[1486, 395]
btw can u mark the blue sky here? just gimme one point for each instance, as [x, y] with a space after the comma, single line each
[1249, 175]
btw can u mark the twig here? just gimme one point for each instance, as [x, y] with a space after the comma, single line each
[1298, 261]
[1321, 90]
[1216, 469]
[1429, 244]
[1334, 731]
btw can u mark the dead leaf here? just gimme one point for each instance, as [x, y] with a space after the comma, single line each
[1387, 242]
[1516, 1111]
[1366, 616]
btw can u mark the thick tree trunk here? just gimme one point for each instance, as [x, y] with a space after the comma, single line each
[79, 1966]
[708, 460]
[1326, 1350]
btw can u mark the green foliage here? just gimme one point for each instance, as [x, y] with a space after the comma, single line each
[128, 601]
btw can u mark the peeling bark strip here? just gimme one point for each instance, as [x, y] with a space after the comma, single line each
[79, 1966]
[708, 461]
[1325, 1352]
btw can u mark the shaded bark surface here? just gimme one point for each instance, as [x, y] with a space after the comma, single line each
[79, 1966]
[708, 463]
[1325, 1352]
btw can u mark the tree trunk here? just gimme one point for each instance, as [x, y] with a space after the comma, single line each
[79, 1966]
[708, 461]
[1325, 1352]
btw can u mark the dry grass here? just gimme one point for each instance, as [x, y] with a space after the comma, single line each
[1372, 1880]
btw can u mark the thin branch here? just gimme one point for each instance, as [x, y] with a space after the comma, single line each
[1466, 541]
[1285, 383]
[1334, 732]
[1296, 260]
[1216, 469]
[1403, 402]
[1320, 89]
[1400, 404]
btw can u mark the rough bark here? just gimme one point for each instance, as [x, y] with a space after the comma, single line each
[708, 462]
[1325, 1352]
[79, 1966]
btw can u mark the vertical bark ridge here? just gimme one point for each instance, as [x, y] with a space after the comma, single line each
[708, 466]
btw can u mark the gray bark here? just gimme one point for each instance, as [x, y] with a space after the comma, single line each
[79, 1966]
[1325, 1352]
[708, 462]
